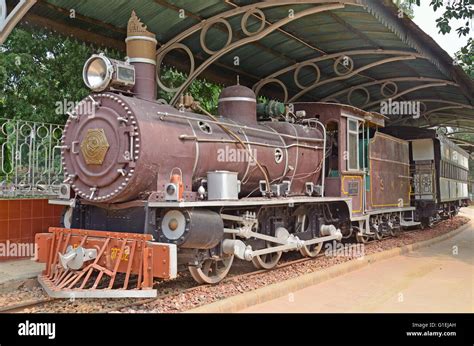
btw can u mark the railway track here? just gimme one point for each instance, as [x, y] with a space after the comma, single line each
[26, 305]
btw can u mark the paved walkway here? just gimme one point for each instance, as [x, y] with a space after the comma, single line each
[19, 270]
[432, 279]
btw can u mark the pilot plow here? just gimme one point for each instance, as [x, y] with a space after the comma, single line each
[98, 264]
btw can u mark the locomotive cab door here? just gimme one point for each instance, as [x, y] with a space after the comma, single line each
[344, 160]
[353, 175]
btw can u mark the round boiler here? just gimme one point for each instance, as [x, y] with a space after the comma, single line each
[118, 148]
[114, 147]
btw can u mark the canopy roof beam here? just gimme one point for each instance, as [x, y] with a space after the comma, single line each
[262, 32]
[8, 22]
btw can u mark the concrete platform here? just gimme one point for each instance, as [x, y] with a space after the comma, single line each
[439, 278]
[21, 269]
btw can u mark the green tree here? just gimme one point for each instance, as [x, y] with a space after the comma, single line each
[452, 10]
[38, 69]
[207, 93]
[406, 7]
[465, 58]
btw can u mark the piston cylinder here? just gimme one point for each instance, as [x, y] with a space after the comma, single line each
[193, 229]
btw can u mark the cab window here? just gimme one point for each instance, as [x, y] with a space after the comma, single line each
[352, 145]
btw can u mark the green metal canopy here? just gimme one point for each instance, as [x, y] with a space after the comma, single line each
[356, 52]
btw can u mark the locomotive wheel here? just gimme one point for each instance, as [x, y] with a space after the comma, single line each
[267, 261]
[426, 223]
[212, 270]
[394, 231]
[377, 234]
[360, 238]
[311, 250]
[302, 224]
[66, 217]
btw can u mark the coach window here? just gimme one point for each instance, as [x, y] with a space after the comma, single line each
[352, 145]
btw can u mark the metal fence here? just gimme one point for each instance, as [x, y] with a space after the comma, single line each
[30, 158]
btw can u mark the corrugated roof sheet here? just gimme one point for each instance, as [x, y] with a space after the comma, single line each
[374, 25]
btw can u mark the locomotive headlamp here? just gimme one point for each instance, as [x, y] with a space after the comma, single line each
[170, 189]
[101, 72]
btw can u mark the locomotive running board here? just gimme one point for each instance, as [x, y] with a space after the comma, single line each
[101, 264]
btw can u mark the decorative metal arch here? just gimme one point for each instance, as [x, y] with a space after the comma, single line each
[400, 94]
[432, 112]
[436, 110]
[458, 133]
[350, 74]
[386, 82]
[8, 22]
[262, 31]
[462, 142]
[347, 53]
[296, 68]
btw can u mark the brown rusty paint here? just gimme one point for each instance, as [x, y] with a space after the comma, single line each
[128, 253]
[333, 113]
[239, 104]
[141, 50]
[357, 199]
[389, 167]
[388, 162]
[162, 148]
[145, 81]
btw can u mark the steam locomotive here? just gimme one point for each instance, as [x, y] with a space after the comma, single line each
[159, 189]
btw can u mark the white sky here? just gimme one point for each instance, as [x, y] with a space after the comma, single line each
[425, 18]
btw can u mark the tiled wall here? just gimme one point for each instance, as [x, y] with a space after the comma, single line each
[21, 219]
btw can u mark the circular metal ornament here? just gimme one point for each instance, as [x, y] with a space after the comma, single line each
[340, 60]
[349, 96]
[272, 80]
[207, 26]
[297, 73]
[423, 107]
[42, 132]
[160, 58]
[26, 130]
[384, 87]
[245, 18]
